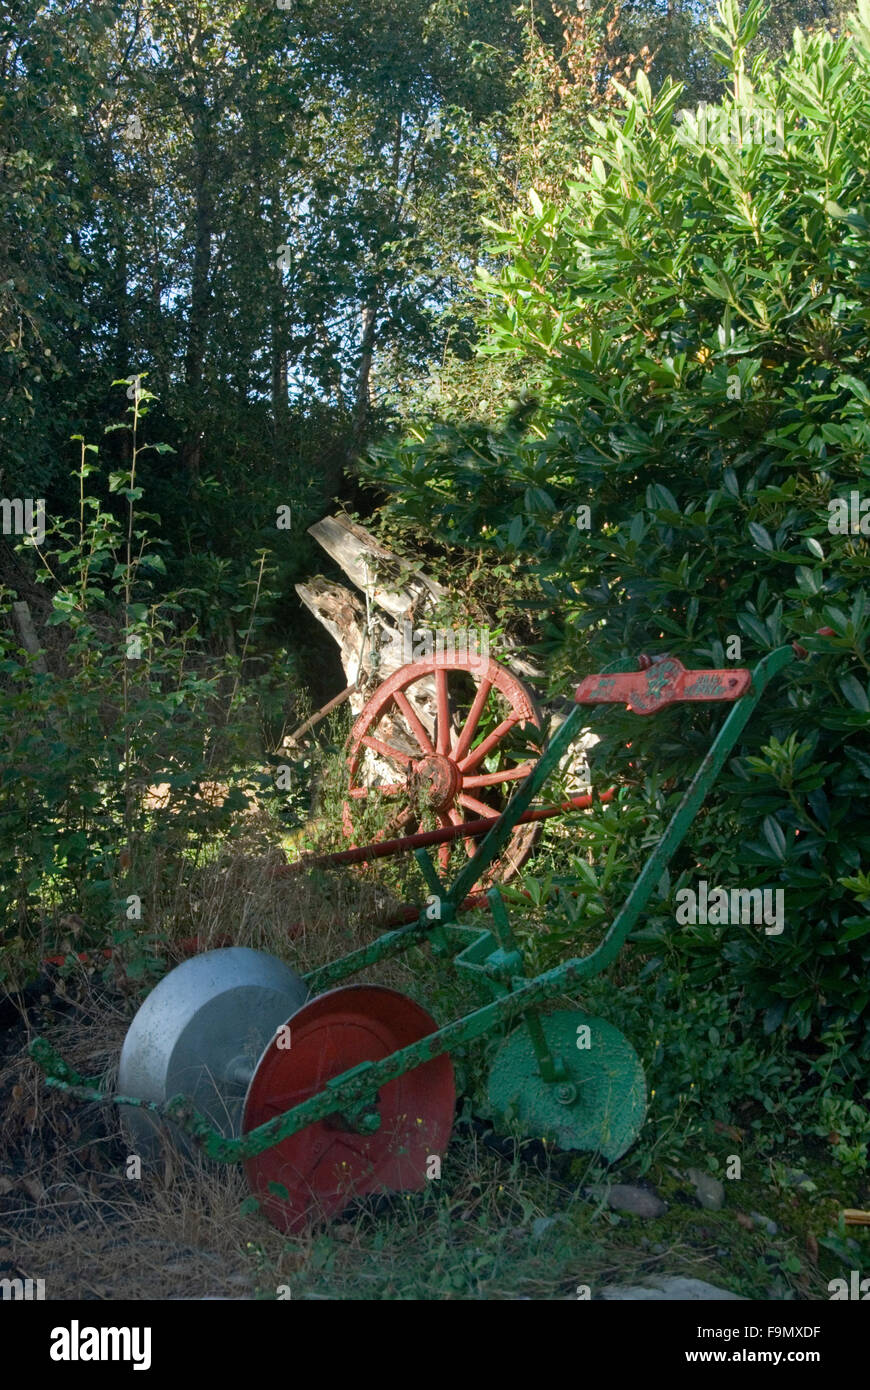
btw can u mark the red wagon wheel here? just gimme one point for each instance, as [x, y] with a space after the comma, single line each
[442, 742]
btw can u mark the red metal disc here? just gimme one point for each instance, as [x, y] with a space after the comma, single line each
[328, 1164]
[442, 742]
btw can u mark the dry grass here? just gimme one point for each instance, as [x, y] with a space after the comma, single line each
[69, 1214]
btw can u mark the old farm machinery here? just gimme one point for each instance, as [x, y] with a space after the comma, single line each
[328, 1091]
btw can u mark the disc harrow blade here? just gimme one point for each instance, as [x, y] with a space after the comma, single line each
[601, 1103]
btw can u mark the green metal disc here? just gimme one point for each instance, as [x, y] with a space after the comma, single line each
[609, 1101]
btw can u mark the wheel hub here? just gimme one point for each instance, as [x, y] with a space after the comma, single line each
[364, 1121]
[434, 782]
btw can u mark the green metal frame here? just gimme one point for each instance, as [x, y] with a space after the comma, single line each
[491, 956]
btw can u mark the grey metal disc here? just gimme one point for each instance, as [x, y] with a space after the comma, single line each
[200, 1033]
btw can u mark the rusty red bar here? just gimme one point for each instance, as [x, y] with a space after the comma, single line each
[659, 683]
[471, 829]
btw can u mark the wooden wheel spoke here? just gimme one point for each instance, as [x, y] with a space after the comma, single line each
[445, 819]
[387, 751]
[442, 701]
[489, 743]
[491, 779]
[414, 722]
[402, 823]
[470, 727]
[383, 789]
[472, 804]
[470, 845]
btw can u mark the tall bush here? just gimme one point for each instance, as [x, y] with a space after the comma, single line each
[692, 322]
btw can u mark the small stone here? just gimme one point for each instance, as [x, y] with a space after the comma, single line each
[709, 1191]
[541, 1225]
[637, 1201]
[770, 1227]
[668, 1288]
[628, 1197]
[795, 1178]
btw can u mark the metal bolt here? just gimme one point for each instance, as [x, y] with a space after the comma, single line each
[566, 1094]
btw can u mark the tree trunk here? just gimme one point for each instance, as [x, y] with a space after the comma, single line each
[373, 644]
[397, 594]
[362, 399]
[200, 294]
[278, 331]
